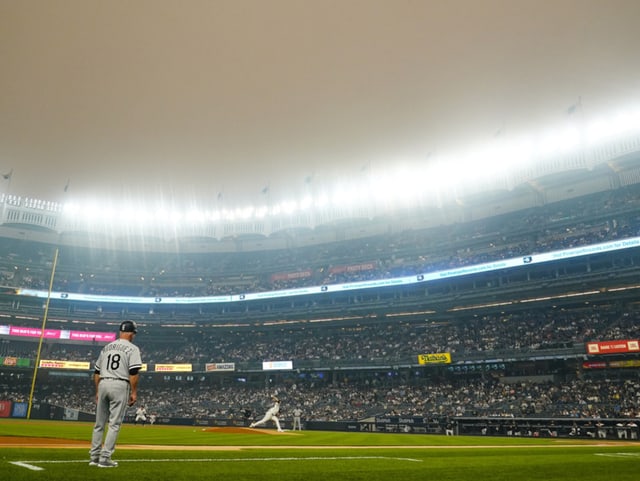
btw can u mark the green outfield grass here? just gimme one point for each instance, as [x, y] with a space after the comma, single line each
[188, 453]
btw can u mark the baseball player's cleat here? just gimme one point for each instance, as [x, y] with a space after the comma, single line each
[93, 462]
[107, 463]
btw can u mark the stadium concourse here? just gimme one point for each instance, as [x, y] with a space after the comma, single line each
[511, 342]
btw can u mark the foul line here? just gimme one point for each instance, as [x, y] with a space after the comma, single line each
[619, 455]
[26, 465]
[32, 464]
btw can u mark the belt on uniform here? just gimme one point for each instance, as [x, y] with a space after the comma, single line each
[114, 379]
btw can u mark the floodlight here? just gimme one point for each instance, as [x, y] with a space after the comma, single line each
[227, 215]
[196, 216]
[71, 208]
[306, 203]
[246, 212]
[261, 212]
[321, 201]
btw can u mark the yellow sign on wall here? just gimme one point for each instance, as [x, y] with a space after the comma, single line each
[174, 368]
[436, 358]
[48, 363]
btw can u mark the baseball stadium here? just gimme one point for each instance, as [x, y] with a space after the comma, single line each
[475, 319]
[397, 336]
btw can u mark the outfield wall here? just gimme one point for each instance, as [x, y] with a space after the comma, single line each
[586, 428]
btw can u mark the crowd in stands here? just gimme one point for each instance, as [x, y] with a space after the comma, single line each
[606, 216]
[457, 397]
[578, 222]
[529, 331]
[533, 331]
[445, 396]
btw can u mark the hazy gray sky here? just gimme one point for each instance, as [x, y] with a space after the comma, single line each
[186, 99]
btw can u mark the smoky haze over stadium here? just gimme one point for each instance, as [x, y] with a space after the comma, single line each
[229, 101]
[513, 278]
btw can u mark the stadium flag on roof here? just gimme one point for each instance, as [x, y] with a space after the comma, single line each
[8, 175]
[575, 108]
[66, 186]
[265, 189]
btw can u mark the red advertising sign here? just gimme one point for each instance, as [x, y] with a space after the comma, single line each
[88, 336]
[33, 332]
[5, 409]
[594, 365]
[288, 276]
[613, 347]
[92, 336]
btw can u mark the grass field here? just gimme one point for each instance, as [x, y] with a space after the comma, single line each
[32, 450]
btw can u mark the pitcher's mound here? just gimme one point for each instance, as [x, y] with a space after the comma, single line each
[241, 430]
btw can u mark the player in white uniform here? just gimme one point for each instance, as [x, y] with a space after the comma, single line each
[141, 415]
[116, 380]
[271, 415]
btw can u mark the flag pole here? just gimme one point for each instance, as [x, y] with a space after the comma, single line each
[8, 176]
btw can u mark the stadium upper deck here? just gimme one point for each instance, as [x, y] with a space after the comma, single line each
[609, 164]
[545, 213]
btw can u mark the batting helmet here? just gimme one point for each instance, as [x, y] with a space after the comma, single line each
[128, 326]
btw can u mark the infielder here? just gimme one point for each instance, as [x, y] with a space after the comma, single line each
[272, 414]
[116, 381]
[141, 415]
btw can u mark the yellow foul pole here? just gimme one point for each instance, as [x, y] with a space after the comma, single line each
[44, 323]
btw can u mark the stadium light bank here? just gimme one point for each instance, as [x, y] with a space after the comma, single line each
[421, 184]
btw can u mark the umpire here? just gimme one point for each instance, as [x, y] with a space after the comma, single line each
[116, 380]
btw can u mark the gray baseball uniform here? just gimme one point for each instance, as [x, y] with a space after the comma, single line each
[117, 361]
[271, 415]
[297, 420]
